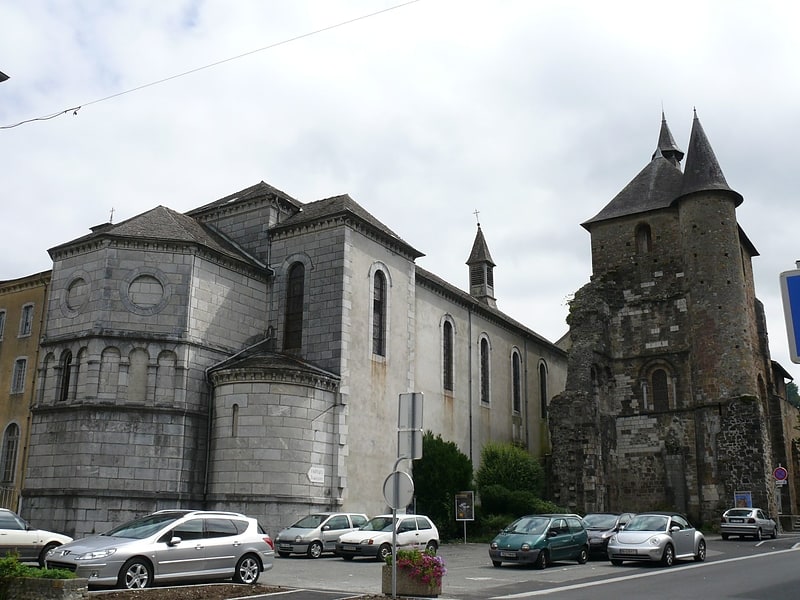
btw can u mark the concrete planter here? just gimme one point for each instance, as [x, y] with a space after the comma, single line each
[47, 589]
[406, 586]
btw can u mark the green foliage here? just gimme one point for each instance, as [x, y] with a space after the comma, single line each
[11, 568]
[511, 467]
[792, 395]
[442, 471]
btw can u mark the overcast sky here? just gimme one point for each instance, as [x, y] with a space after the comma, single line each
[533, 113]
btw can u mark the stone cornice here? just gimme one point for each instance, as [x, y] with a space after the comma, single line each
[268, 374]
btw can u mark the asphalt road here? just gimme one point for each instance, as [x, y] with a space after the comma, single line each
[731, 568]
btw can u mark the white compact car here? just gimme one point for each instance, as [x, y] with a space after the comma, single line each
[28, 543]
[375, 538]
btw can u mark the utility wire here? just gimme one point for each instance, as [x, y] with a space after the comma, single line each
[74, 110]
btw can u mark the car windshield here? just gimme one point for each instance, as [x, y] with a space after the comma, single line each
[528, 525]
[310, 521]
[138, 529]
[600, 521]
[647, 523]
[378, 524]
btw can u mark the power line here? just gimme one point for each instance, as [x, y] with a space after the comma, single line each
[74, 110]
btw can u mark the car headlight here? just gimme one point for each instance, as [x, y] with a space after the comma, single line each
[96, 554]
[655, 541]
[367, 542]
[525, 547]
[493, 545]
[612, 539]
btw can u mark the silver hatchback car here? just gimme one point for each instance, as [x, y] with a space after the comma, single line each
[170, 546]
[747, 522]
[316, 533]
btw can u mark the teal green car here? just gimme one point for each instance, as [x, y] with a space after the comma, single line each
[540, 540]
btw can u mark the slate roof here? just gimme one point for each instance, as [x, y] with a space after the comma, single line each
[661, 183]
[480, 250]
[254, 191]
[164, 224]
[343, 205]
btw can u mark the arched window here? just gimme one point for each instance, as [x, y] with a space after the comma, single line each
[295, 292]
[643, 239]
[543, 388]
[66, 375]
[235, 420]
[9, 460]
[660, 389]
[108, 384]
[516, 382]
[447, 356]
[485, 371]
[379, 314]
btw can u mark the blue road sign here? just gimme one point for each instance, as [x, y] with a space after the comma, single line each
[790, 292]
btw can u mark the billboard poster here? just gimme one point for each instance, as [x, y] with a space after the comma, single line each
[465, 506]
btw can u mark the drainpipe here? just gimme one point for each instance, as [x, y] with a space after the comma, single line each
[469, 365]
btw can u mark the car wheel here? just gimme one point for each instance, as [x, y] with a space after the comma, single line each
[724, 536]
[496, 563]
[135, 574]
[668, 558]
[384, 551]
[541, 560]
[247, 569]
[432, 547]
[583, 556]
[701, 552]
[52, 545]
[283, 554]
[616, 563]
[774, 532]
[314, 550]
[758, 535]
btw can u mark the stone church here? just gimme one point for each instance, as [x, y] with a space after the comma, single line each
[248, 355]
[671, 398]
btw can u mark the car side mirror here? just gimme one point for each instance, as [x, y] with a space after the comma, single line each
[552, 532]
[674, 528]
[326, 527]
[174, 541]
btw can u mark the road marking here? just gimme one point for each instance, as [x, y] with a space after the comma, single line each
[578, 586]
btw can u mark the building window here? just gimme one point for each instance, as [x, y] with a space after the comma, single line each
[66, 374]
[2, 323]
[447, 356]
[295, 293]
[235, 420]
[660, 390]
[643, 239]
[18, 376]
[10, 445]
[26, 320]
[516, 382]
[543, 388]
[485, 370]
[379, 314]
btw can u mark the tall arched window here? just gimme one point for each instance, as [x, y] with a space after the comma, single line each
[379, 314]
[295, 291]
[516, 382]
[644, 240]
[66, 375]
[660, 390]
[447, 356]
[543, 389]
[235, 420]
[485, 371]
[10, 445]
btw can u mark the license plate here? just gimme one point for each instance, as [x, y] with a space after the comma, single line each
[627, 551]
[509, 554]
[737, 520]
[284, 547]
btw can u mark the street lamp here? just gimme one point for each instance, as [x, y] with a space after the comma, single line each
[3, 77]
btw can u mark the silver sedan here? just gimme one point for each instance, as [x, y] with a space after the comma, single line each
[750, 522]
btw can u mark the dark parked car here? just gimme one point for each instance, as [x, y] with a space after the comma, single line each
[600, 527]
[539, 540]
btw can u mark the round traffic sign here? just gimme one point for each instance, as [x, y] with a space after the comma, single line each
[398, 489]
[780, 473]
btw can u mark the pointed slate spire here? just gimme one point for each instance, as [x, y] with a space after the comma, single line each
[481, 276]
[666, 144]
[702, 172]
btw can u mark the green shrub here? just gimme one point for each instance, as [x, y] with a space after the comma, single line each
[11, 568]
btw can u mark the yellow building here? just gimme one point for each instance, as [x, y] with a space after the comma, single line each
[22, 305]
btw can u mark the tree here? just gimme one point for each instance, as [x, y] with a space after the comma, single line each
[442, 471]
[792, 394]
